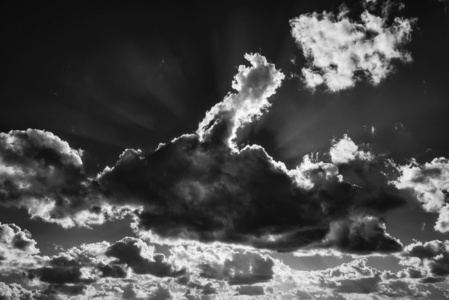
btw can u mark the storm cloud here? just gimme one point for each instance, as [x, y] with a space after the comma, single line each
[205, 186]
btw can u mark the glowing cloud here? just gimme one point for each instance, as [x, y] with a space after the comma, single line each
[341, 51]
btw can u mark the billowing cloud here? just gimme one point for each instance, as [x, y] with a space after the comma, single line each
[429, 183]
[141, 258]
[254, 86]
[341, 51]
[241, 269]
[210, 192]
[217, 271]
[15, 291]
[14, 238]
[205, 187]
[40, 172]
[207, 190]
[431, 256]
[17, 250]
[362, 235]
[345, 151]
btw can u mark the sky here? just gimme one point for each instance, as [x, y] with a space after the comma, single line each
[208, 150]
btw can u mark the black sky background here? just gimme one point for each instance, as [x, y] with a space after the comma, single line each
[110, 75]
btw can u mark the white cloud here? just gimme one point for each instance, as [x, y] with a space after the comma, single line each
[442, 223]
[42, 173]
[345, 151]
[430, 184]
[17, 248]
[254, 86]
[310, 173]
[339, 49]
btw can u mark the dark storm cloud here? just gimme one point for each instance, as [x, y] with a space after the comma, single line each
[205, 187]
[208, 192]
[202, 186]
[132, 252]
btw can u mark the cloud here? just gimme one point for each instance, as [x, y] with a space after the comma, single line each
[17, 250]
[161, 293]
[114, 271]
[217, 271]
[250, 290]
[432, 256]
[40, 172]
[345, 151]
[429, 184]
[205, 187]
[208, 191]
[15, 291]
[230, 264]
[341, 51]
[254, 85]
[14, 238]
[362, 235]
[242, 268]
[141, 258]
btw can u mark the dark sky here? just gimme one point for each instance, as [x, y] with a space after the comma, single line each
[106, 76]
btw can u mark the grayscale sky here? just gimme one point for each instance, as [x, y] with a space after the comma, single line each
[224, 150]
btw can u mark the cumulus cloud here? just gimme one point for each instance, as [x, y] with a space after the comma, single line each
[430, 256]
[14, 238]
[141, 258]
[242, 268]
[204, 187]
[353, 277]
[218, 271]
[341, 51]
[40, 172]
[17, 250]
[345, 151]
[254, 86]
[197, 189]
[208, 191]
[362, 235]
[353, 280]
[429, 183]
[16, 291]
